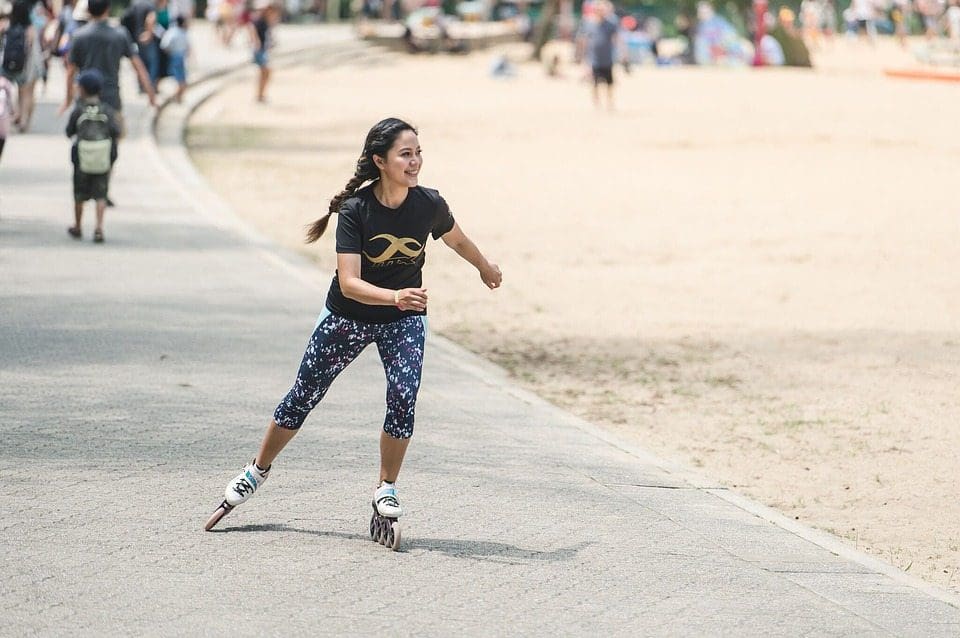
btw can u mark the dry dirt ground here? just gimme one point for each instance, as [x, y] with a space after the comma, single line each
[752, 272]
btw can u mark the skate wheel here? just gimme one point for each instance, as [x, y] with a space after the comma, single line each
[394, 543]
[387, 534]
[382, 536]
[373, 528]
[222, 511]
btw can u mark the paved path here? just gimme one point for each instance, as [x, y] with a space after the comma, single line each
[136, 377]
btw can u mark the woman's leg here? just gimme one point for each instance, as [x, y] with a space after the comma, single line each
[26, 96]
[262, 83]
[101, 210]
[335, 343]
[400, 344]
[150, 54]
[392, 452]
[274, 440]
[77, 214]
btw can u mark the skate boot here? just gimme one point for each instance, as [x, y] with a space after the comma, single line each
[384, 527]
[238, 491]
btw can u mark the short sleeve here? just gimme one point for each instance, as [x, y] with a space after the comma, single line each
[443, 220]
[76, 54]
[130, 48]
[349, 230]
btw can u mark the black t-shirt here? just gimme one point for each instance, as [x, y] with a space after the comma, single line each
[391, 245]
[98, 45]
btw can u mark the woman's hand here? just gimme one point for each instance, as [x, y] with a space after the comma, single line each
[411, 299]
[491, 276]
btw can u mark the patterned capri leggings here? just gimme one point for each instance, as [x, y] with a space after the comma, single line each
[335, 343]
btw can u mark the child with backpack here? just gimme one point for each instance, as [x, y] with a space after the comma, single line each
[7, 110]
[96, 129]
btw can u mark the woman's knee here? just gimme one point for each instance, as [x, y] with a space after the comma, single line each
[297, 405]
[401, 409]
[399, 426]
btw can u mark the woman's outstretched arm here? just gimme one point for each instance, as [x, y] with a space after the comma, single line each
[489, 272]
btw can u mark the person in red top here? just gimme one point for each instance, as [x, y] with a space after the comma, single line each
[376, 296]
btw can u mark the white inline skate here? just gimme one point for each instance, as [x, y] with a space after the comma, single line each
[238, 491]
[384, 527]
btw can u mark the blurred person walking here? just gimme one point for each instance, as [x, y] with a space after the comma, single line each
[98, 45]
[8, 111]
[930, 12]
[376, 296]
[162, 22]
[829, 13]
[864, 14]
[600, 39]
[261, 36]
[94, 126]
[902, 16]
[140, 21]
[22, 60]
[176, 45]
[811, 19]
[952, 18]
[67, 23]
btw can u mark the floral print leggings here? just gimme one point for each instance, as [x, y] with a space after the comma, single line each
[335, 343]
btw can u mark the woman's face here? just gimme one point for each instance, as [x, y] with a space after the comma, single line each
[403, 161]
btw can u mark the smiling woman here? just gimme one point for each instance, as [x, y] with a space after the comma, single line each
[376, 296]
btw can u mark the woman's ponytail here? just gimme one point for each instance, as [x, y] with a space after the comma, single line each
[316, 229]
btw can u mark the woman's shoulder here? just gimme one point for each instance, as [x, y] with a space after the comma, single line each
[427, 194]
[357, 201]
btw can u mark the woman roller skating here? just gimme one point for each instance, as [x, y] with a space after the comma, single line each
[376, 297]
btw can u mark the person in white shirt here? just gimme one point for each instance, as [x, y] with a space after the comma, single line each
[811, 16]
[176, 45]
[864, 12]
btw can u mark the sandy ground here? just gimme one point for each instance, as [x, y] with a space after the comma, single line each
[754, 273]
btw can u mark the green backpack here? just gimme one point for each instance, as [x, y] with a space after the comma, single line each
[94, 143]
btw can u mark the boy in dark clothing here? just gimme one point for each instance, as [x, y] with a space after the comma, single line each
[95, 126]
[261, 34]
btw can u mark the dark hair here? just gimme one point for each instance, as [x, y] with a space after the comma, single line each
[379, 140]
[98, 8]
[91, 81]
[20, 13]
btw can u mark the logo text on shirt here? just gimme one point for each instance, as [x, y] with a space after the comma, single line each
[404, 245]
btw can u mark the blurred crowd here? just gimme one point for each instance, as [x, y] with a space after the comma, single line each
[91, 44]
[769, 34]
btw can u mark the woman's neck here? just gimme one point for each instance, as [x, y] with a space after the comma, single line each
[390, 194]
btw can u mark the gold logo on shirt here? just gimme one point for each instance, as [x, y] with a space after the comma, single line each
[404, 245]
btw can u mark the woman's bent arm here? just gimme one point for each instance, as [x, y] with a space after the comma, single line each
[355, 288]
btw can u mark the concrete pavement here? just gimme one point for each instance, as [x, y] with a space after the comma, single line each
[136, 377]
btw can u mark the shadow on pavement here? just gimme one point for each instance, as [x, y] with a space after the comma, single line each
[121, 230]
[459, 548]
[280, 527]
[488, 550]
